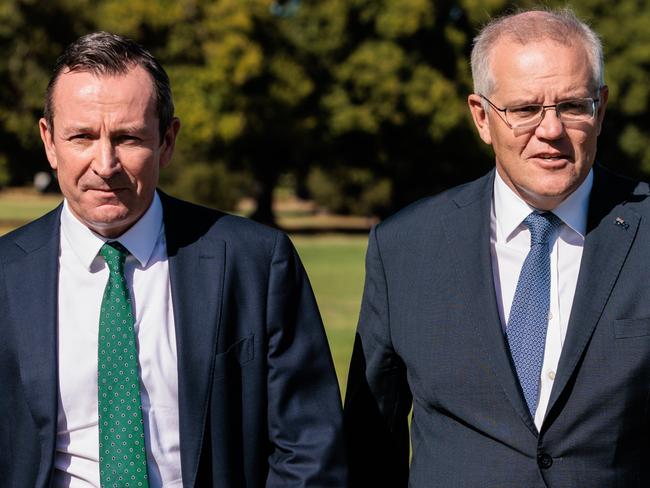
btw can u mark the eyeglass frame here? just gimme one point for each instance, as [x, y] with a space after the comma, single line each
[594, 101]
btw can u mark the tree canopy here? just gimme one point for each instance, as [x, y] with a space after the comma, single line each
[363, 101]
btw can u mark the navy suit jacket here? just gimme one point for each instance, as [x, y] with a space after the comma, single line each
[430, 337]
[259, 402]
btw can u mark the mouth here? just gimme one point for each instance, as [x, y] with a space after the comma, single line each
[552, 159]
[105, 191]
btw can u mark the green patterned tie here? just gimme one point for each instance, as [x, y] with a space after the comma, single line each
[122, 457]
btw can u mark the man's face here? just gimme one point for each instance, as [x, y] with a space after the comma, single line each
[543, 165]
[105, 146]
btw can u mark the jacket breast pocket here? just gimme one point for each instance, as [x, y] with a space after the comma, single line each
[626, 328]
[233, 358]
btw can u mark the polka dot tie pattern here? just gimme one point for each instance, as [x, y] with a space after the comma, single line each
[122, 456]
[528, 321]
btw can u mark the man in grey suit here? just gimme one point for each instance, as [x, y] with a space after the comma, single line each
[512, 314]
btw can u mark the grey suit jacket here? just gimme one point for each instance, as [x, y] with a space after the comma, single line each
[429, 337]
[259, 402]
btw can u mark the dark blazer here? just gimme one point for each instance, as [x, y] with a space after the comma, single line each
[259, 402]
[430, 338]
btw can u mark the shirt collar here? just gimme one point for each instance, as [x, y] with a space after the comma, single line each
[140, 239]
[510, 210]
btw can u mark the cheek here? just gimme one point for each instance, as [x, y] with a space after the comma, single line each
[72, 164]
[584, 146]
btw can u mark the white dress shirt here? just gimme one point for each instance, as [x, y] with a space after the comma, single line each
[509, 245]
[82, 277]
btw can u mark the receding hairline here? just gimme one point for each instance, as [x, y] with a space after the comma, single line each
[98, 74]
[575, 44]
[104, 73]
[561, 26]
[104, 53]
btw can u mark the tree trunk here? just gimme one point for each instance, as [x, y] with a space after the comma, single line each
[264, 212]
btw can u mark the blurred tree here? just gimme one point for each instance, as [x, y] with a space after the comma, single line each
[30, 41]
[242, 93]
[624, 144]
[372, 92]
[396, 104]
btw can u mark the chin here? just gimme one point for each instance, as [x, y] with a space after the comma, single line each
[110, 224]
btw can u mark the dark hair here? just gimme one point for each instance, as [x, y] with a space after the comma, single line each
[103, 53]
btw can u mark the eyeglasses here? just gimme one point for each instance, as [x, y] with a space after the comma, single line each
[530, 115]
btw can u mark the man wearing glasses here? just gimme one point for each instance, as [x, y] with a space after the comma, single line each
[512, 314]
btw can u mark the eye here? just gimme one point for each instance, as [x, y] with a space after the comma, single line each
[524, 110]
[575, 107]
[79, 137]
[127, 139]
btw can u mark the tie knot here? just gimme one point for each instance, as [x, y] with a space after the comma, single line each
[114, 254]
[541, 226]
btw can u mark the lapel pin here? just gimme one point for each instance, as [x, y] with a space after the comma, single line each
[621, 223]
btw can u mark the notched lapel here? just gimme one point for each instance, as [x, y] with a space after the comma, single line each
[605, 251]
[197, 275]
[468, 232]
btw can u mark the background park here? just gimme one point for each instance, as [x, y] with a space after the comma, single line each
[317, 116]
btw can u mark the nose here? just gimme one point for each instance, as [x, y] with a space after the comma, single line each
[551, 127]
[105, 162]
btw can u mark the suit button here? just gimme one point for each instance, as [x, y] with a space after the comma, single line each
[544, 460]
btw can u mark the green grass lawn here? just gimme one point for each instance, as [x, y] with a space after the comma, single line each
[18, 206]
[335, 265]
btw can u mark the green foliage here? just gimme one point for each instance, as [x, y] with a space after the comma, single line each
[210, 184]
[395, 104]
[624, 142]
[29, 44]
[4, 170]
[350, 191]
[371, 92]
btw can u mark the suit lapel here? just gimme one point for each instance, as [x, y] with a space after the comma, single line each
[31, 281]
[468, 233]
[611, 231]
[196, 267]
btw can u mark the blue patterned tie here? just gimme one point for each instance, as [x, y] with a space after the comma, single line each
[526, 330]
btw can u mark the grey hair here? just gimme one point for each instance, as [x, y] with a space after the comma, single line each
[103, 53]
[561, 26]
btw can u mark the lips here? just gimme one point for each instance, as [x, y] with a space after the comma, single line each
[105, 192]
[551, 156]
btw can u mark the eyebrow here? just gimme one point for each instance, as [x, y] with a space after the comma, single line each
[517, 102]
[81, 129]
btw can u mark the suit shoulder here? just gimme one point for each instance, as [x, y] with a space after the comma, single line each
[245, 230]
[32, 235]
[187, 221]
[426, 211]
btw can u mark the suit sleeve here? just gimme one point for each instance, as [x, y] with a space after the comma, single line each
[304, 402]
[378, 399]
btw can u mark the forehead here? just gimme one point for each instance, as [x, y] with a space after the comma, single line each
[79, 94]
[540, 66]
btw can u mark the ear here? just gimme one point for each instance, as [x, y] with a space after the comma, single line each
[169, 142]
[602, 105]
[47, 136]
[480, 117]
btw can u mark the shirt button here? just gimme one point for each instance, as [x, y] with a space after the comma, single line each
[550, 316]
[544, 461]
[551, 375]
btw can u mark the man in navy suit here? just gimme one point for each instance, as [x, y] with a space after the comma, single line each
[512, 314]
[234, 384]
